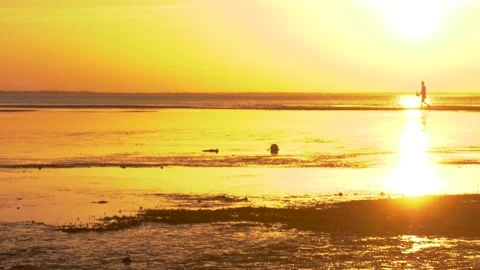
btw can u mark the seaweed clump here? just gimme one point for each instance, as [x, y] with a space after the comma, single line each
[454, 215]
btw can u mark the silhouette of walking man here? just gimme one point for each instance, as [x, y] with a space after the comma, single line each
[424, 95]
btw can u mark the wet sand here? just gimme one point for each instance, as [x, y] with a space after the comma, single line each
[88, 195]
[158, 221]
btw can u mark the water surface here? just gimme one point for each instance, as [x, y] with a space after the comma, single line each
[131, 178]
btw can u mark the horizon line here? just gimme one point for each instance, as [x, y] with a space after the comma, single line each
[226, 92]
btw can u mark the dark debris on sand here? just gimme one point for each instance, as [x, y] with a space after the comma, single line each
[455, 215]
[126, 260]
[101, 202]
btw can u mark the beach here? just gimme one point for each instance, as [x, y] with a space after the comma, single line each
[351, 187]
[253, 134]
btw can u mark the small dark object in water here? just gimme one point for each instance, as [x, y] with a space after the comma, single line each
[211, 150]
[127, 260]
[123, 166]
[18, 207]
[39, 167]
[101, 202]
[274, 149]
[161, 167]
[19, 199]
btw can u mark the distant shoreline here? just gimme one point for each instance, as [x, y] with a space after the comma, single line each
[33, 107]
[258, 93]
[358, 101]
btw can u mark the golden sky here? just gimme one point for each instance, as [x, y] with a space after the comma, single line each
[239, 45]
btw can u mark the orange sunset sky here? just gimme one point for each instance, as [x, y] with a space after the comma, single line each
[242, 45]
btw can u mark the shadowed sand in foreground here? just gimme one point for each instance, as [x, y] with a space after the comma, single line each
[453, 215]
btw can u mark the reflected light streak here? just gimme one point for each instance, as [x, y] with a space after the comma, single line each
[420, 243]
[414, 174]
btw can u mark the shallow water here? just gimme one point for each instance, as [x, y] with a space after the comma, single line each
[356, 139]
[57, 165]
[63, 196]
[228, 245]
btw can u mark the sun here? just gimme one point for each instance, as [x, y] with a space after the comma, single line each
[414, 19]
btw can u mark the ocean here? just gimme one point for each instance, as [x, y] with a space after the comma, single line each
[187, 181]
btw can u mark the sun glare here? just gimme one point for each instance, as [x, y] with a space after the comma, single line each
[409, 102]
[414, 19]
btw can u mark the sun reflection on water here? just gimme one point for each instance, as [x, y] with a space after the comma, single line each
[415, 174]
[411, 102]
[420, 243]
